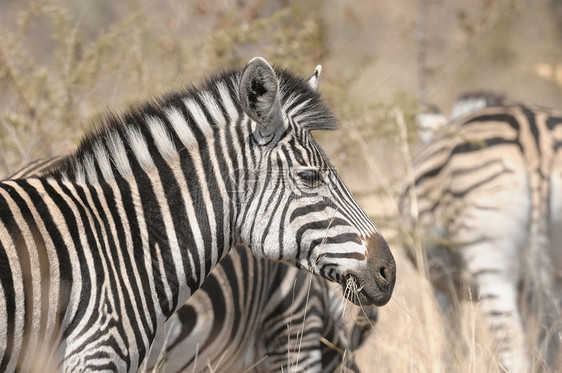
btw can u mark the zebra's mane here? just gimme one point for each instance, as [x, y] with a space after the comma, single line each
[108, 142]
[304, 104]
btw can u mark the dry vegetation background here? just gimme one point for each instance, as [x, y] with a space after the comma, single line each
[62, 62]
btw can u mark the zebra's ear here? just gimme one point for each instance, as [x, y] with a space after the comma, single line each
[314, 80]
[259, 95]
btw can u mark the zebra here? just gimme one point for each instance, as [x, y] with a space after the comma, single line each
[101, 251]
[431, 121]
[279, 319]
[36, 168]
[251, 312]
[485, 197]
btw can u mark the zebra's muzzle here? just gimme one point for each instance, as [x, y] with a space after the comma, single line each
[375, 282]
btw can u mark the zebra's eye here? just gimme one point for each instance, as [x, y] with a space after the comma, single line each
[310, 177]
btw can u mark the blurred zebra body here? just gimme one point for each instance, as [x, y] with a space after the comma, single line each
[487, 200]
[250, 312]
[431, 122]
[258, 314]
[96, 255]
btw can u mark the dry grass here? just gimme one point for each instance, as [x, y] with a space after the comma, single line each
[412, 334]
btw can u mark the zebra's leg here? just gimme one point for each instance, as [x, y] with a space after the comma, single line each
[497, 294]
[490, 231]
[551, 338]
[492, 259]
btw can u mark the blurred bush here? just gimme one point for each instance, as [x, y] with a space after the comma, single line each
[58, 71]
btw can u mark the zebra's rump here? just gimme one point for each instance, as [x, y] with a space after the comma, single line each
[485, 201]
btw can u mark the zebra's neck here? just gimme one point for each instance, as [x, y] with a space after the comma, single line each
[170, 173]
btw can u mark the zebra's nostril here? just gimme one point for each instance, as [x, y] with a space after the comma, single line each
[386, 275]
[383, 273]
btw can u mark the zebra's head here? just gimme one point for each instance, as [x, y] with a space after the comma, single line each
[297, 209]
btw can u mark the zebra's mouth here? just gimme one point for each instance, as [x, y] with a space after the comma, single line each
[362, 293]
[371, 281]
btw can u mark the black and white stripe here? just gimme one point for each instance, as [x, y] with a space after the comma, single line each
[488, 206]
[251, 312]
[36, 168]
[259, 314]
[98, 254]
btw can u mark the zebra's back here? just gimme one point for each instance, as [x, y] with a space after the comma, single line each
[37, 167]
